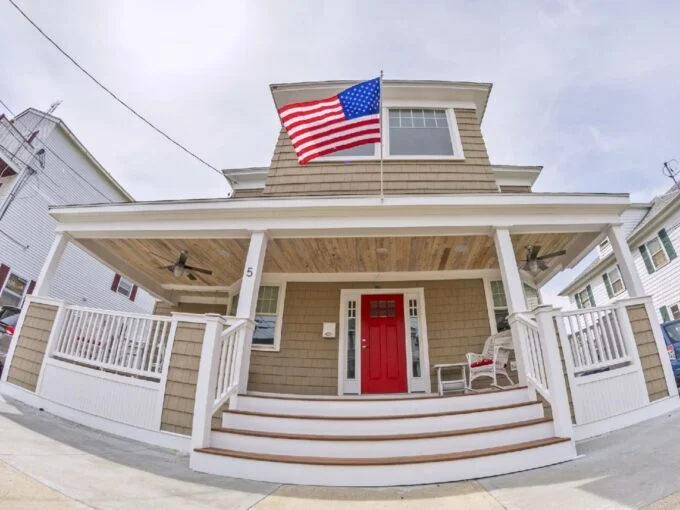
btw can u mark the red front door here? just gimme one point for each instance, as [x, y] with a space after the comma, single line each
[383, 345]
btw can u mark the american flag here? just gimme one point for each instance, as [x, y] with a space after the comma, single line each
[340, 122]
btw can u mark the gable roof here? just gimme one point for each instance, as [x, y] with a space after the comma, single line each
[659, 205]
[69, 134]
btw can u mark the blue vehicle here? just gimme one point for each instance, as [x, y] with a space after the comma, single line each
[671, 335]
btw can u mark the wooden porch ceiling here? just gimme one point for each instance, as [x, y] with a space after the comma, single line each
[226, 257]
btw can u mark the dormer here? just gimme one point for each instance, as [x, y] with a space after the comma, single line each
[432, 144]
[516, 179]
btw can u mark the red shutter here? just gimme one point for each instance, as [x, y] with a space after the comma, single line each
[116, 281]
[4, 271]
[31, 286]
[133, 293]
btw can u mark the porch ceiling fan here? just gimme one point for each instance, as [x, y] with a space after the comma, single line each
[533, 263]
[180, 267]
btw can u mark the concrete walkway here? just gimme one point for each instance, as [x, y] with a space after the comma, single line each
[49, 463]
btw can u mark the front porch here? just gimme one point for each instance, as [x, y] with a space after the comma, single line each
[325, 304]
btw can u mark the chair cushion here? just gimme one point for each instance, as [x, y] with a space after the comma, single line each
[482, 363]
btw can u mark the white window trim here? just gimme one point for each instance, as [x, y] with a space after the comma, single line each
[127, 282]
[580, 295]
[490, 305]
[454, 132]
[414, 384]
[611, 282]
[651, 255]
[4, 286]
[276, 347]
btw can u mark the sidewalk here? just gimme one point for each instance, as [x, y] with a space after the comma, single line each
[49, 463]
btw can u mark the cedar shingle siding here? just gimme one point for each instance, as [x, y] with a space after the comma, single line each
[457, 323]
[648, 351]
[473, 175]
[180, 391]
[31, 345]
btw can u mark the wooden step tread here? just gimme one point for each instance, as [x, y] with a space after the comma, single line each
[305, 398]
[394, 437]
[384, 461]
[391, 417]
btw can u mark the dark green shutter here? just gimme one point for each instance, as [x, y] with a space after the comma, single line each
[667, 244]
[590, 295]
[608, 284]
[577, 298]
[664, 314]
[645, 257]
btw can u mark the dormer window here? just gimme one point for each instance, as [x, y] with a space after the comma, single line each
[410, 133]
[419, 132]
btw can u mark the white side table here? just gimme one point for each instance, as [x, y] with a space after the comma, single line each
[455, 384]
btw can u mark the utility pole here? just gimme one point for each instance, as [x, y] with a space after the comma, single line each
[26, 171]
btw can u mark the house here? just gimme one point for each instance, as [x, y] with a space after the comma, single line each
[43, 164]
[653, 236]
[306, 318]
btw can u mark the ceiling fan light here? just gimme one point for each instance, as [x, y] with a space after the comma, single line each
[178, 270]
[533, 267]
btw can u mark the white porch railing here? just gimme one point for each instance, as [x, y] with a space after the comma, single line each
[535, 369]
[125, 343]
[230, 347]
[595, 339]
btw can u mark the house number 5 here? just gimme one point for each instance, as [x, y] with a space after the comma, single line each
[249, 272]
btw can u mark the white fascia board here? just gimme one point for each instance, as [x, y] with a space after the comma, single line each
[346, 216]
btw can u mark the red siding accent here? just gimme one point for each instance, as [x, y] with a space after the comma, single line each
[31, 286]
[4, 271]
[133, 293]
[116, 281]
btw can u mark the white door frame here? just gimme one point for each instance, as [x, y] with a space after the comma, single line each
[415, 384]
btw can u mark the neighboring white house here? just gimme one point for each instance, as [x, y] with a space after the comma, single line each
[43, 164]
[654, 238]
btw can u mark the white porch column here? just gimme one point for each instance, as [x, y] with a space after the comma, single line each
[512, 282]
[247, 300]
[42, 285]
[630, 276]
[514, 295]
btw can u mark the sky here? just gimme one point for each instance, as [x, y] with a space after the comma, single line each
[590, 90]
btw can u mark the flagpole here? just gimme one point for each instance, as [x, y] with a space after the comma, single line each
[382, 127]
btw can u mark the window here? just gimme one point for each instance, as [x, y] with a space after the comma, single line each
[500, 306]
[657, 253]
[531, 297]
[675, 310]
[267, 314]
[14, 291]
[613, 282]
[351, 338]
[124, 287]
[584, 299]
[414, 328]
[419, 132]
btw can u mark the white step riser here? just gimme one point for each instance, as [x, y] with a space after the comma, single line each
[379, 407]
[376, 449]
[384, 426]
[382, 476]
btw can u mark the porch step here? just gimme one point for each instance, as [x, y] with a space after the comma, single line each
[382, 471]
[369, 424]
[386, 445]
[357, 406]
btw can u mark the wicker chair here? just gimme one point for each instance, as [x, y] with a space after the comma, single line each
[493, 361]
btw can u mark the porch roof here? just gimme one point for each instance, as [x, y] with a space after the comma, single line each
[336, 235]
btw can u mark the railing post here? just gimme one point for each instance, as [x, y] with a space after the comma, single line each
[545, 316]
[520, 344]
[206, 381]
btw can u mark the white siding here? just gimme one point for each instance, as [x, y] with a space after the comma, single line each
[27, 230]
[663, 285]
[630, 218]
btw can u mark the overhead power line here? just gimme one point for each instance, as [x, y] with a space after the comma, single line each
[112, 94]
[53, 152]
